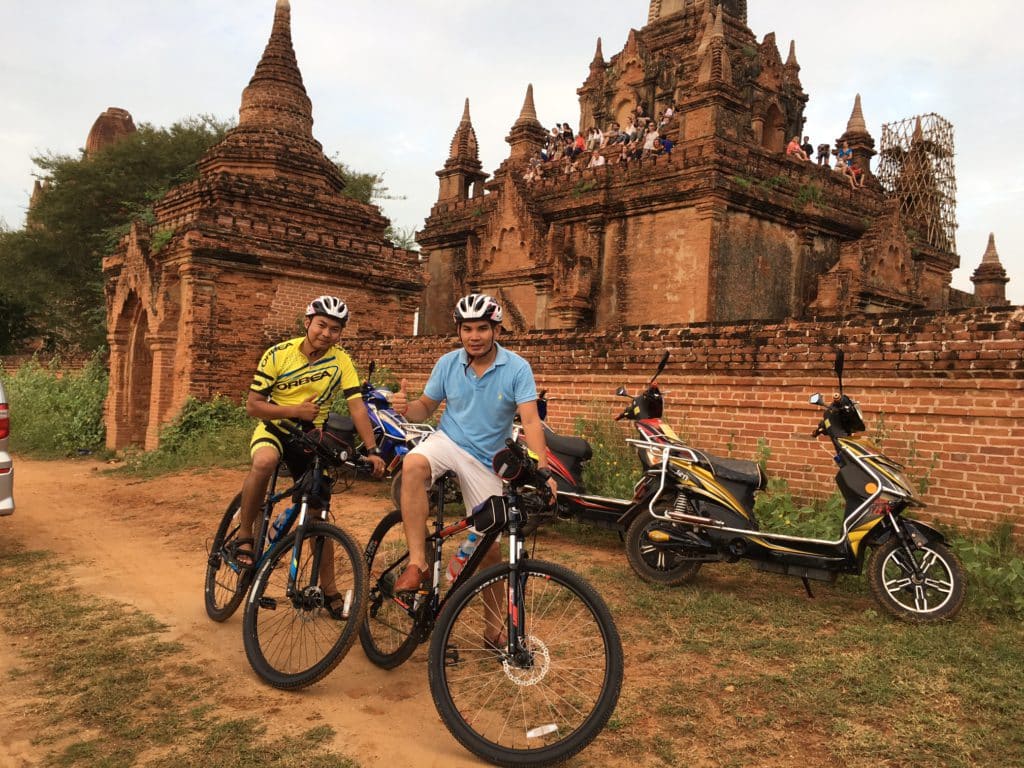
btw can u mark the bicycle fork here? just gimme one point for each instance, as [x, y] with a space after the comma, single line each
[518, 649]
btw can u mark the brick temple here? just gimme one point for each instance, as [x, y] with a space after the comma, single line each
[235, 255]
[725, 229]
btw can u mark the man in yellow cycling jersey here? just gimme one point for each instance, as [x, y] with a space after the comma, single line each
[298, 380]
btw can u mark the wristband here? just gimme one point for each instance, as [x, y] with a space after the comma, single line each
[375, 451]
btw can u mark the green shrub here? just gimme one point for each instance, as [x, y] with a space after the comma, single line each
[54, 413]
[995, 572]
[204, 434]
[777, 510]
[615, 468]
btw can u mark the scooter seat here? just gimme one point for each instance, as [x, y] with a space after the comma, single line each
[576, 447]
[737, 471]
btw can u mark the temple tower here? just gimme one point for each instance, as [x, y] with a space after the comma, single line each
[110, 127]
[990, 278]
[235, 255]
[462, 175]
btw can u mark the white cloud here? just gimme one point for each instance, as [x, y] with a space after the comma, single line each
[388, 80]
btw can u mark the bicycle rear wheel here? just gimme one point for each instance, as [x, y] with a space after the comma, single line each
[226, 584]
[539, 706]
[294, 640]
[392, 627]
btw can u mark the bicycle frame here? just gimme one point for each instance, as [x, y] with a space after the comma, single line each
[432, 600]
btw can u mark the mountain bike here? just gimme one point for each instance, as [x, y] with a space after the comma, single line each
[542, 692]
[307, 587]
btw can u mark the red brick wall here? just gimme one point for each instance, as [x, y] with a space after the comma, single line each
[943, 393]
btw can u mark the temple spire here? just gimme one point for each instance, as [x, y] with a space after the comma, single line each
[276, 97]
[527, 135]
[598, 55]
[991, 255]
[528, 114]
[464, 144]
[856, 123]
[791, 59]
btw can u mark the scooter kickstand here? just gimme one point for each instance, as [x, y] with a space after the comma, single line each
[807, 586]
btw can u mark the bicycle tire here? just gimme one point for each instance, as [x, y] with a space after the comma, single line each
[293, 643]
[225, 586]
[390, 631]
[512, 714]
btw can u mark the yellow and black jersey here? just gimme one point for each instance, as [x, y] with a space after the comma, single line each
[285, 376]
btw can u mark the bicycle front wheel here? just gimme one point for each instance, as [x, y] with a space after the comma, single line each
[225, 584]
[295, 637]
[547, 701]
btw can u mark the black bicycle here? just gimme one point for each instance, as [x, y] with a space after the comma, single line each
[307, 588]
[546, 687]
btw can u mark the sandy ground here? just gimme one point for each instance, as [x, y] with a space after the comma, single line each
[143, 542]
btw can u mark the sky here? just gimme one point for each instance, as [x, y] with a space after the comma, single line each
[388, 80]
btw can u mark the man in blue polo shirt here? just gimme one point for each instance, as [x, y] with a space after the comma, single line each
[484, 386]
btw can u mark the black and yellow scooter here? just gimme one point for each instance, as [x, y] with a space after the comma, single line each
[704, 512]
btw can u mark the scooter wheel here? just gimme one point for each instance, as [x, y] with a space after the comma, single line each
[935, 593]
[654, 562]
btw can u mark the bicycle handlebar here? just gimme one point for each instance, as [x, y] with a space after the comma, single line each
[335, 456]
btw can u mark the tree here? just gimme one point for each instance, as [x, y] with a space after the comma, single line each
[364, 187]
[52, 269]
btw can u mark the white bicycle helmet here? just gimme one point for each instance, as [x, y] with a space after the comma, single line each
[328, 306]
[477, 306]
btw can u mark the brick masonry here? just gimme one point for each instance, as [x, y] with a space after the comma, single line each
[942, 392]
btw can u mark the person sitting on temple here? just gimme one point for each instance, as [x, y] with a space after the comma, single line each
[807, 147]
[666, 116]
[579, 146]
[624, 153]
[845, 164]
[650, 141]
[793, 149]
[823, 152]
[666, 145]
[596, 160]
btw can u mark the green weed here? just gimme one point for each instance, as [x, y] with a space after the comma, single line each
[214, 433]
[615, 468]
[54, 413]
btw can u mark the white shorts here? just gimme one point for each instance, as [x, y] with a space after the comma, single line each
[478, 482]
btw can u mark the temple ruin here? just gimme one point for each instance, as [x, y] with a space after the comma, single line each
[235, 255]
[726, 228]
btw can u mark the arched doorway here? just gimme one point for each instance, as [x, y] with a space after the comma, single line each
[135, 377]
[774, 138]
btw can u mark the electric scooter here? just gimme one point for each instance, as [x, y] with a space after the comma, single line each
[703, 512]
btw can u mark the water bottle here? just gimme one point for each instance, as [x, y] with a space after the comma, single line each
[458, 561]
[281, 523]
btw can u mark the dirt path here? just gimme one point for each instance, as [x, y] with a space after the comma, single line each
[144, 543]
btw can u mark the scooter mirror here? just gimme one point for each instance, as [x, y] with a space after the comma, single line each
[662, 364]
[817, 399]
[840, 360]
[621, 392]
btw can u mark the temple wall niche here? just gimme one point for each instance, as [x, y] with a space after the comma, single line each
[756, 268]
[507, 251]
[667, 253]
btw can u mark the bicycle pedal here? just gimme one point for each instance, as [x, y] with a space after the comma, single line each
[268, 603]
